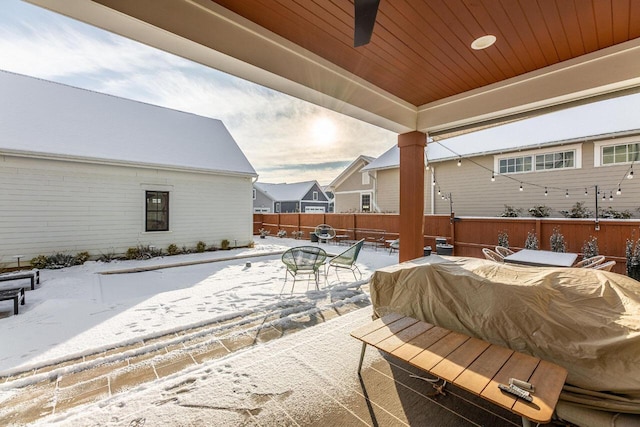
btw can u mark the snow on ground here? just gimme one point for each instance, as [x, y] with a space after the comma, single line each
[290, 381]
[78, 311]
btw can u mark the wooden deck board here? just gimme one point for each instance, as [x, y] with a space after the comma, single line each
[418, 344]
[460, 359]
[403, 337]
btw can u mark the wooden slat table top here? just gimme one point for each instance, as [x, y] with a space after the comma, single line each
[472, 364]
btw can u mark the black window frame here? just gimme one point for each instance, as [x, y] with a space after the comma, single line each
[151, 194]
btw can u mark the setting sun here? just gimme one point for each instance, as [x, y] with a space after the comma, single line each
[323, 131]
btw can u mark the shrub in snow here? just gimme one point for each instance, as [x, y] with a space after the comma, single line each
[532, 241]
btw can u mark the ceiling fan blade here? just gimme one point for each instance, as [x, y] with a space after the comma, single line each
[365, 19]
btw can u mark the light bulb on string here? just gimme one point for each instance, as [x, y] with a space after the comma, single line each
[566, 194]
[585, 192]
[521, 189]
[459, 162]
[439, 193]
[433, 183]
[546, 193]
[493, 177]
[610, 195]
[630, 176]
[619, 192]
[604, 195]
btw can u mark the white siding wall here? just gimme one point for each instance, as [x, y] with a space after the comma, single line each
[49, 206]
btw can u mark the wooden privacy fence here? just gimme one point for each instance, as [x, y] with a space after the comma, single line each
[470, 234]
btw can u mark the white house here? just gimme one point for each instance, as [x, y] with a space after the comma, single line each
[84, 171]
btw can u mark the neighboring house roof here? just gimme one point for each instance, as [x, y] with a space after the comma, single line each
[42, 118]
[352, 168]
[448, 149]
[390, 159]
[442, 153]
[286, 192]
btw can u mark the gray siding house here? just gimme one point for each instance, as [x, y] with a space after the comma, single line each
[306, 197]
[556, 174]
[353, 189]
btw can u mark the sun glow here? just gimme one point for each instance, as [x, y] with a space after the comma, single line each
[323, 131]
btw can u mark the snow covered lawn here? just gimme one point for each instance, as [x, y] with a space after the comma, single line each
[78, 311]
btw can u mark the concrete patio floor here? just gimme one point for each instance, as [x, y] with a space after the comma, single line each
[304, 376]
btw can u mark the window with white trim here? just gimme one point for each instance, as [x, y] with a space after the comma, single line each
[157, 211]
[566, 157]
[516, 164]
[315, 195]
[277, 207]
[365, 202]
[620, 153]
[558, 160]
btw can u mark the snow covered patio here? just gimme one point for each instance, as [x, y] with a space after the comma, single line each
[210, 343]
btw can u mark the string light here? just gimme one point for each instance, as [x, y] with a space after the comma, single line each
[619, 192]
[585, 192]
[459, 162]
[604, 196]
[566, 194]
[521, 189]
[610, 195]
[546, 193]
[630, 176]
[439, 193]
[493, 177]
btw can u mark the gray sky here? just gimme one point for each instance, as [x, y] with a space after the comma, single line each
[285, 139]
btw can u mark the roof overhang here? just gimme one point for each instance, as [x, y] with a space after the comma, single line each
[210, 34]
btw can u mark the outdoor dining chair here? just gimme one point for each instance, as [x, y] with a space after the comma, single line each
[325, 232]
[502, 251]
[492, 255]
[347, 259]
[590, 262]
[394, 246]
[606, 266]
[303, 260]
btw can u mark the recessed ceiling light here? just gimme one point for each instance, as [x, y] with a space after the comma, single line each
[483, 42]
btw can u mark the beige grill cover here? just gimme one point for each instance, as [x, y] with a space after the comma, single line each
[587, 321]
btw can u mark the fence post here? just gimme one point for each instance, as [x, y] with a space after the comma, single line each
[452, 225]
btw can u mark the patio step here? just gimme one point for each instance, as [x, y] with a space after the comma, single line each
[59, 387]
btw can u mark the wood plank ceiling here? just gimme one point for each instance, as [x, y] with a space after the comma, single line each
[420, 50]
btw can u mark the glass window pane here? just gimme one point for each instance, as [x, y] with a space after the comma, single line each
[607, 155]
[157, 211]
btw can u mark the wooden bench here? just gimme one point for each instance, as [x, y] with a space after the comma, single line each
[34, 275]
[16, 294]
[469, 363]
[372, 237]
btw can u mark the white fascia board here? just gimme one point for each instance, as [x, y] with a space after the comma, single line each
[609, 70]
[211, 35]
